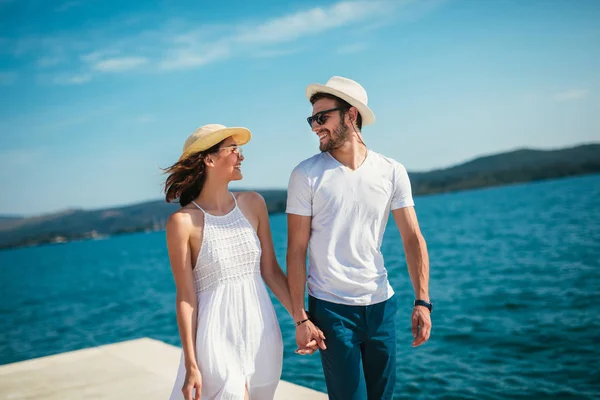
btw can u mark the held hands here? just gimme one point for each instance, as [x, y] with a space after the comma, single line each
[193, 380]
[309, 338]
[421, 325]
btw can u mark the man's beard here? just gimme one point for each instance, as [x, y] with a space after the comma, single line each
[336, 139]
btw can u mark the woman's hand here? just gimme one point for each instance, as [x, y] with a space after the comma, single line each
[192, 386]
[309, 338]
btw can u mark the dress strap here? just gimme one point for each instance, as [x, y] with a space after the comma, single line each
[200, 208]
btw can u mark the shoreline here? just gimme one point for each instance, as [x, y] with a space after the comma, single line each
[58, 238]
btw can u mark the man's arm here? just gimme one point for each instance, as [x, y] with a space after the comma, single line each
[417, 260]
[298, 235]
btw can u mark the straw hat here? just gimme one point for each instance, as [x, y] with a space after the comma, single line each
[208, 135]
[348, 90]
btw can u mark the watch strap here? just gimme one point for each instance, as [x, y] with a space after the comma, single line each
[424, 303]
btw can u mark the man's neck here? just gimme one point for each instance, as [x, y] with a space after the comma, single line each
[351, 154]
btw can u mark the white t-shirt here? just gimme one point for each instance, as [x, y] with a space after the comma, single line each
[349, 211]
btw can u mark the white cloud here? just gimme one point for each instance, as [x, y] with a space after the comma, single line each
[272, 53]
[191, 49]
[75, 79]
[8, 77]
[352, 48]
[312, 22]
[92, 57]
[144, 119]
[180, 44]
[68, 5]
[570, 95]
[119, 64]
[51, 61]
[189, 58]
[98, 55]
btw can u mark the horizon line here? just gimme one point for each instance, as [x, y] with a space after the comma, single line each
[257, 189]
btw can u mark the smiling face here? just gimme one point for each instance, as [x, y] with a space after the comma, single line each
[334, 131]
[226, 162]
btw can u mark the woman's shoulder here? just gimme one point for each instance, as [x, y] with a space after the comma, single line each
[185, 218]
[251, 200]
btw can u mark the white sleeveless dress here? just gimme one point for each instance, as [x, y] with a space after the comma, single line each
[238, 340]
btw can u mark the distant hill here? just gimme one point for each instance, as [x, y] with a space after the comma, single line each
[8, 221]
[88, 224]
[523, 165]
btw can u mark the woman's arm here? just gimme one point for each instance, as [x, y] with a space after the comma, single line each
[180, 255]
[269, 267]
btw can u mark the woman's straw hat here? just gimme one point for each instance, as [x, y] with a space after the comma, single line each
[208, 135]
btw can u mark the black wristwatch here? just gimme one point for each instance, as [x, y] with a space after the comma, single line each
[424, 304]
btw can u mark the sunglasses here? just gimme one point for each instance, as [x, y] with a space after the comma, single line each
[234, 149]
[321, 117]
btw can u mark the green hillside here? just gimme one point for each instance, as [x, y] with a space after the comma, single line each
[523, 165]
[512, 167]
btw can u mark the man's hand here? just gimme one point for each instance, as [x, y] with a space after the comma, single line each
[421, 325]
[309, 338]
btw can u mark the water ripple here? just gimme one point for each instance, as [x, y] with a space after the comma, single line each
[515, 273]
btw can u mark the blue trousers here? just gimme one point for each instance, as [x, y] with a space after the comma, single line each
[360, 360]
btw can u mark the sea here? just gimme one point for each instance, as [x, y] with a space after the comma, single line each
[515, 281]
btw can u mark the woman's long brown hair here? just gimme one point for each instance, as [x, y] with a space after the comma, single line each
[186, 177]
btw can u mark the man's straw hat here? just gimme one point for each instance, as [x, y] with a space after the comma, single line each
[348, 90]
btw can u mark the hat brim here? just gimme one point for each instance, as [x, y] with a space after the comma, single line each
[365, 112]
[240, 135]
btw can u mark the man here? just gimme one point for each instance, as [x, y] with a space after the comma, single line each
[339, 202]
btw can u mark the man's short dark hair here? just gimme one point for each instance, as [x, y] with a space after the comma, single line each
[341, 103]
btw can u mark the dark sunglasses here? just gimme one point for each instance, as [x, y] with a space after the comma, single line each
[321, 117]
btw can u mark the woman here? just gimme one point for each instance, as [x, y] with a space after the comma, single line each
[221, 254]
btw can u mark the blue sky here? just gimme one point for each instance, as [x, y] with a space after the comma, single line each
[96, 96]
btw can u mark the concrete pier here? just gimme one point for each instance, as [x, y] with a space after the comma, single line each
[137, 369]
